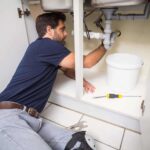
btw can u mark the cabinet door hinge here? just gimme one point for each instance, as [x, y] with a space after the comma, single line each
[23, 12]
[143, 107]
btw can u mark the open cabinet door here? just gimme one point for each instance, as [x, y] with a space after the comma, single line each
[13, 39]
[145, 120]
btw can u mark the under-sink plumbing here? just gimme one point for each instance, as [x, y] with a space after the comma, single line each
[108, 36]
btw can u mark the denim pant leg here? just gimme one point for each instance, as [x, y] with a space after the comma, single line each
[55, 136]
[16, 134]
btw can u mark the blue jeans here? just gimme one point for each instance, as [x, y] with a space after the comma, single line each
[20, 131]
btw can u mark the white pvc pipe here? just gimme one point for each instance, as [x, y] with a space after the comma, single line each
[106, 36]
[107, 33]
[94, 35]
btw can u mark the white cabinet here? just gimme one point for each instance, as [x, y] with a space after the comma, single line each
[56, 5]
[124, 112]
[110, 3]
[13, 39]
[145, 120]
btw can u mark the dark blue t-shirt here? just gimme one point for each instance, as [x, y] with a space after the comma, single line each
[33, 80]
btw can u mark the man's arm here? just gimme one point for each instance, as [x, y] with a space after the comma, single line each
[88, 61]
[94, 57]
[68, 72]
[88, 87]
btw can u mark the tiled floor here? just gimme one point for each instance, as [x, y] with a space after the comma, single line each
[107, 136]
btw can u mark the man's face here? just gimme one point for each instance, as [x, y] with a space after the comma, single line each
[60, 33]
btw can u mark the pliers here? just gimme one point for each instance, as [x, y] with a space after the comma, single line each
[78, 126]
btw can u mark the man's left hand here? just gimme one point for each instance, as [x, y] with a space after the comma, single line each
[88, 87]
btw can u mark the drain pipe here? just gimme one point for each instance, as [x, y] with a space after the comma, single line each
[108, 12]
[108, 36]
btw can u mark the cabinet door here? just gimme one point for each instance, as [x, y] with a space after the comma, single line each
[145, 120]
[13, 39]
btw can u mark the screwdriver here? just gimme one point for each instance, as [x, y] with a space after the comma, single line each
[111, 95]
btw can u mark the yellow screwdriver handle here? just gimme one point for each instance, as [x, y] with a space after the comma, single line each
[110, 95]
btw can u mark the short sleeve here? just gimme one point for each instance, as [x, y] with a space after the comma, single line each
[53, 53]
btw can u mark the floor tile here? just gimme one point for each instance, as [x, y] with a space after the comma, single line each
[46, 106]
[131, 141]
[104, 132]
[60, 115]
[100, 146]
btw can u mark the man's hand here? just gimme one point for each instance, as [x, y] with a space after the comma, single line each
[88, 87]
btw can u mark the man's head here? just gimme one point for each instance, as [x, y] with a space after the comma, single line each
[51, 25]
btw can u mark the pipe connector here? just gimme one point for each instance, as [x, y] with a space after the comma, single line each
[94, 35]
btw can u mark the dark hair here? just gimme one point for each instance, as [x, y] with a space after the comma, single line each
[48, 19]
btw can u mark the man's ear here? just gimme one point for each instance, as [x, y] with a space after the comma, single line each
[49, 30]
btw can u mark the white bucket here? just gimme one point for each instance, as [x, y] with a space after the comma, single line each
[123, 71]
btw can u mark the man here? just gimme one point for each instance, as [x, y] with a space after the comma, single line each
[28, 91]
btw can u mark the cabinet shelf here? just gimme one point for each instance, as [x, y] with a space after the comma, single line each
[126, 106]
